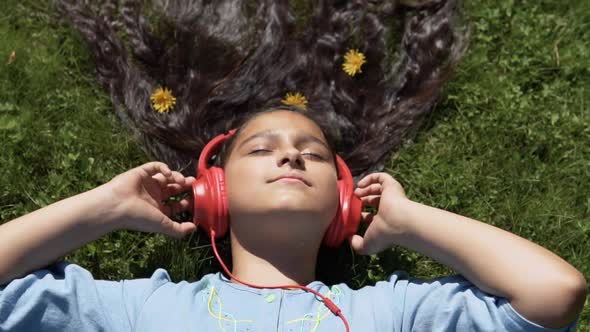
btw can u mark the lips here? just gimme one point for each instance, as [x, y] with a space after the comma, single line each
[292, 176]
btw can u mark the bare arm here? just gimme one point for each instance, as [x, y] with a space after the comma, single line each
[539, 284]
[132, 200]
[40, 237]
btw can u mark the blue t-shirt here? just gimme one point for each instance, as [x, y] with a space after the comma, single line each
[65, 297]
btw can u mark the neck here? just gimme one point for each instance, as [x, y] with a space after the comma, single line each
[265, 263]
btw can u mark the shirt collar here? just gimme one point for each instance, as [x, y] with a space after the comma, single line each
[222, 280]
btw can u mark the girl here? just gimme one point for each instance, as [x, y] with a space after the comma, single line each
[277, 225]
[298, 91]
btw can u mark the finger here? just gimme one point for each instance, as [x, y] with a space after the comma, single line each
[361, 245]
[177, 230]
[379, 177]
[368, 244]
[367, 217]
[356, 242]
[171, 190]
[155, 167]
[177, 177]
[371, 201]
[189, 180]
[161, 179]
[373, 189]
[173, 178]
[175, 208]
[370, 178]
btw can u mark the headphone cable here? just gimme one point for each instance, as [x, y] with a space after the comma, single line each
[331, 305]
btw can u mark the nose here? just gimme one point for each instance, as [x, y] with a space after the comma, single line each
[291, 156]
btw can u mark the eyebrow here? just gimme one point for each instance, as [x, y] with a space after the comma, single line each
[273, 134]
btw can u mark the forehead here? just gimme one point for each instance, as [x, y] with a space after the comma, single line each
[281, 121]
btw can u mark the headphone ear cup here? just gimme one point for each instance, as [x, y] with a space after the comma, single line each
[346, 222]
[210, 201]
[221, 212]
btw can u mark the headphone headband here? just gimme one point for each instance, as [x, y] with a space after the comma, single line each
[212, 147]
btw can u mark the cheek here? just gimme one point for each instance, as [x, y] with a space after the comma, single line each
[326, 195]
[242, 184]
[332, 195]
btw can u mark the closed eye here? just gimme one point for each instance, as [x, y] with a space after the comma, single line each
[259, 150]
[313, 155]
[317, 156]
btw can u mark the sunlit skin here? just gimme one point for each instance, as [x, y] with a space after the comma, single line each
[276, 228]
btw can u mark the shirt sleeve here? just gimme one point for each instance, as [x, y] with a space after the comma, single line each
[65, 297]
[453, 303]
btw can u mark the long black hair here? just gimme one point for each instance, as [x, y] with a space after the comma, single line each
[224, 60]
[227, 60]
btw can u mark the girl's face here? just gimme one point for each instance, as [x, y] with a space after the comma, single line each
[272, 145]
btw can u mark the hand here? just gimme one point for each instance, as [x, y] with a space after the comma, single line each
[141, 193]
[382, 192]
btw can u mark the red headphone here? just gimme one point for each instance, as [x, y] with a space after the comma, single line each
[211, 207]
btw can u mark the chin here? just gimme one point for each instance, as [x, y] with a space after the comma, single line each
[291, 201]
[292, 206]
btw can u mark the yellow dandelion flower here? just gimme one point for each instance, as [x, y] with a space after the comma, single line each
[163, 100]
[295, 99]
[353, 60]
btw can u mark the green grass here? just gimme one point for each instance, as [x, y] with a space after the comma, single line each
[508, 143]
